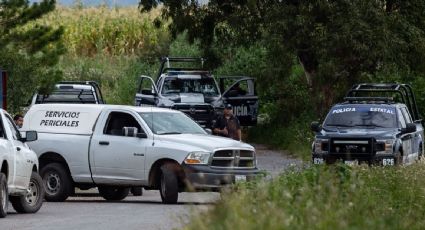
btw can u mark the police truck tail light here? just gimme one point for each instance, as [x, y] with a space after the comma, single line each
[199, 158]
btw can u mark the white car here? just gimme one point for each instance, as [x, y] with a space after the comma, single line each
[118, 147]
[19, 179]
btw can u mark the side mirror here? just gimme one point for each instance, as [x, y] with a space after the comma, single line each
[30, 136]
[133, 132]
[410, 128]
[315, 126]
[209, 131]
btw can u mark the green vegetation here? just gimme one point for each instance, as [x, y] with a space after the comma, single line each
[336, 197]
[101, 30]
[327, 45]
[29, 50]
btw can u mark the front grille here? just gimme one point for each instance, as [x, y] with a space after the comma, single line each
[231, 158]
[361, 146]
[194, 109]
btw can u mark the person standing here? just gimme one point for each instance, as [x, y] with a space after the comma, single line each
[19, 120]
[228, 125]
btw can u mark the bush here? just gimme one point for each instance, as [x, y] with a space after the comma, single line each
[117, 75]
[337, 197]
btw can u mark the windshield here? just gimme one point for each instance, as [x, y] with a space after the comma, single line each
[350, 116]
[171, 123]
[204, 85]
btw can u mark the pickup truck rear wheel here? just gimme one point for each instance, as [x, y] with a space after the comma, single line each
[168, 187]
[30, 202]
[4, 196]
[113, 193]
[57, 182]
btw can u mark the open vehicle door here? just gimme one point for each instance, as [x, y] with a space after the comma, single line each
[147, 93]
[242, 96]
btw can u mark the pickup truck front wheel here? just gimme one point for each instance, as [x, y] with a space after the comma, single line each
[57, 182]
[30, 202]
[168, 188]
[4, 196]
[113, 193]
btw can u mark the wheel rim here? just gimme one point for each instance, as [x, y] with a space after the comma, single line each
[33, 193]
[52, 183]
[4, 197]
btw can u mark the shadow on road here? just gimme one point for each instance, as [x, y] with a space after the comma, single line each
[136, 202]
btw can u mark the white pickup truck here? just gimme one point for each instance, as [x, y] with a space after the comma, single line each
[19, 179]
[117, 147]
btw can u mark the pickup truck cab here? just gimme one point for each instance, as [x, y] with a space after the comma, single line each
[117, 147]
[19, 180]
[371, 128]
[195, 92]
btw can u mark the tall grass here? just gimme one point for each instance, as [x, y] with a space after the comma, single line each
[337, 197]
[102, 30]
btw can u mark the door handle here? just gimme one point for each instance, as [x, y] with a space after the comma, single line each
[18, 148]
[138, 154]
[103, 142]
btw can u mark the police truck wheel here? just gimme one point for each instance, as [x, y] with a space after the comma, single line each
[398, 159]
[136, 191]
[57, 182]
[168, 187]
[30, 202]
[113, 193]
[4, 195]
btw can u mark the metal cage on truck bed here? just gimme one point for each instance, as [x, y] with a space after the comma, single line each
[384, 93]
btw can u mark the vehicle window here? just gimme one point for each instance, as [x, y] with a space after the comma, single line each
[2, 131]
[357, 115]
[239, 89]
[171, 123]
[204, 85]
[67, 95]
[407, 116]
[15, 132]
[117, 121]
[146, 86]
[401, 119]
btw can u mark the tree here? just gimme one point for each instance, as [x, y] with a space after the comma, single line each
[28, 50]
[337, 42]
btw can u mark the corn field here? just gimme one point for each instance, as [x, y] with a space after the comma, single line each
[116, 31]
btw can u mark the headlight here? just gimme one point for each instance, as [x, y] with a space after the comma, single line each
[198, 158]
[321, 146]
[385, 146]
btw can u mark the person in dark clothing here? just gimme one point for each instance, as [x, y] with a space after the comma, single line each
[228, 125]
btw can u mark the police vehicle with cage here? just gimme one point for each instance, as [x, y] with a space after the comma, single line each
[377, 124]
[191, 89]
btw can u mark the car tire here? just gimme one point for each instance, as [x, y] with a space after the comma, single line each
[113, 193]
[4, 196]
[168, 187]
[136, 191]
[57, 182]
[33, 200]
